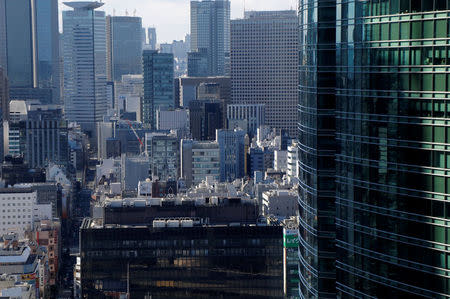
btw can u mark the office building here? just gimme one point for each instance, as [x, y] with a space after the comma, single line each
[180, 257]
[20, 210]
[231, 145]
[281, 203]
[292, 161]
[264, 59]
[46, 138]
[391, 174]
[317, 149]
[206, 116]
[210, 32]
[163, 151]
[248, 117]
[85, 47]
[4, 105]
[30, 51]
[158, 85]
[197, 63]
[199, 160]
[189, 88]
[152, 38]
[177, 119]
[47, 45]
[124, 46]
[14, 171]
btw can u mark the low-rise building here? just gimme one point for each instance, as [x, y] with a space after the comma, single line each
[281, 203]
[19, 209]
[199, 160]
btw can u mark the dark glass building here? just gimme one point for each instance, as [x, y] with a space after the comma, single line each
[393, 184]
[158, 85]
[164, 249]
[317, 148]
[206, 116]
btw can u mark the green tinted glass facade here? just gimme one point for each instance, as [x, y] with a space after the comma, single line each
[393, 135]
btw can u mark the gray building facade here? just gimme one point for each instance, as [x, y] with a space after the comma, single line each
[264, 59]
[125, 46]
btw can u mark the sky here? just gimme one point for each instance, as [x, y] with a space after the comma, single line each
[171, 17]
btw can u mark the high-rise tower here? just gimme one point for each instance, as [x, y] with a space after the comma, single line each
[393, 134]
[264, 65]
[317, 148]
[210, 32]
[85, 63]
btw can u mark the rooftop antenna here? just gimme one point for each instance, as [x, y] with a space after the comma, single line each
[244, 8]
[126, 12]
[134, 12]
[114, 12]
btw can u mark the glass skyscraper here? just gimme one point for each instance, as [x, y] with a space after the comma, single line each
[125, 46]
[393, 134]
[29, 47]
[373, 143]
[47, 43]
[210, 32]
[84, 63]
[158, 85]
[317, 148]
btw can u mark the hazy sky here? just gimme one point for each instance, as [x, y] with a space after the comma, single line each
[171, 17]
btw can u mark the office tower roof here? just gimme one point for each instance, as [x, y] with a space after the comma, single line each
[84, 5]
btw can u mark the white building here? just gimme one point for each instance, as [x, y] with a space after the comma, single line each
[281, 203]
[84, 36]
[292, 161]
[280, 160]
[19, 210]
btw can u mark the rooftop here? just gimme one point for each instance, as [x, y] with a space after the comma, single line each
[85, 5]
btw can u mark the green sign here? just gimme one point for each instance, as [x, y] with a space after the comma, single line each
[290, 239]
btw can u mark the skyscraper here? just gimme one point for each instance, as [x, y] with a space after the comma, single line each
[20, 59]
[264, 59]
[47, 44]
[4, 95]
[392, 113]
[30, 48]
[232, 154]
[152, 38]
[372, 149]
[84, 63]
[317, 148]
[158, 85]
[210, 30]
[125, 46]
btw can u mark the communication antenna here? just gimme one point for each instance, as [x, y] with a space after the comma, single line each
[244, 8]
[134, 12]
[126, 12]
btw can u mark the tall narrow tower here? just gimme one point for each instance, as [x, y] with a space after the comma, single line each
[85, 63]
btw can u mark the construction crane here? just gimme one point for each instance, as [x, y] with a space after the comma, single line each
[141, 147]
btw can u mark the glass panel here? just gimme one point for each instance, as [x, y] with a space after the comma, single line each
[428, 29]
[416, 30]
[439, 82]
[405, 30]
[441, 28]
[439, 134]
[385, 31]
[394, 6]
[427, 82]
[395, 31]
